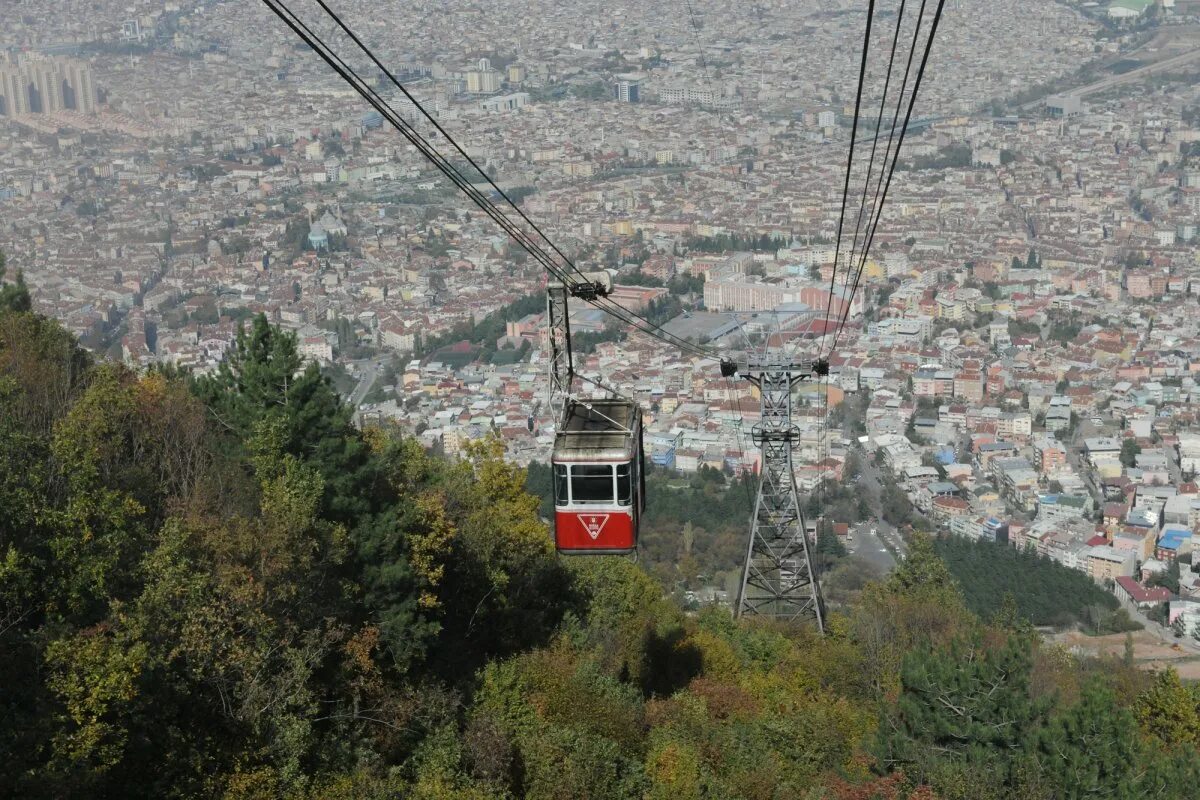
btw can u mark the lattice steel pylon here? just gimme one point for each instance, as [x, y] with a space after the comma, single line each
[778, 579]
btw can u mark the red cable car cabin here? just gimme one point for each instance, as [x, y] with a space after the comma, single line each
[599, 480]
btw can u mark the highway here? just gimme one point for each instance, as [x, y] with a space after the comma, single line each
[1078, 460]
[1132, 76]
[1137, 74]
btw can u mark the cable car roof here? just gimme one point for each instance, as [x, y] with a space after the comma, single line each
[602, 430]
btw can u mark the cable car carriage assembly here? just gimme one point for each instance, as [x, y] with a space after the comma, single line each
[599, 473]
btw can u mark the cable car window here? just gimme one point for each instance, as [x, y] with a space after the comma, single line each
[560, 484]
[623, 484]
[591, 483]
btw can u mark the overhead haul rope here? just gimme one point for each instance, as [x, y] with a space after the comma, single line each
[882, 198]
[327, 54]
[862, 205]
[862, 71]
[696, 30]
[433, 121]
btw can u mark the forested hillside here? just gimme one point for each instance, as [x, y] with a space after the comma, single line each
[1045, 592]
[218, 587]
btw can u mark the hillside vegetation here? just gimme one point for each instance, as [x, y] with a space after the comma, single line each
[218, 587]
[1045, 592]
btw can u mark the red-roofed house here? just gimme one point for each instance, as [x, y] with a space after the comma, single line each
[947, 507]
[1136, 597]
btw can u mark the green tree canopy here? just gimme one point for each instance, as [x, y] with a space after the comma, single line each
[13, 296]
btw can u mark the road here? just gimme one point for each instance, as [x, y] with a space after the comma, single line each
[370, 371]
[1128, 77]
[1078, 460]
[1165, 634]
[875, 548]
[1173, 465]
[1137, 74]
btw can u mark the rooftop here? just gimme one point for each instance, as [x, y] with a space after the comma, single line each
[1140, 594]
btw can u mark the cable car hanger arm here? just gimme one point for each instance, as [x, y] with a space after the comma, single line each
[747, 369]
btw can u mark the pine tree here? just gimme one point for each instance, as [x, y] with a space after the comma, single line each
[1129, 452]
[968, 704]
[15, 296]
[1091, 749]
[828, 543]
[264, 376]
[1170, 711]
[924, 572]
[1008, 615]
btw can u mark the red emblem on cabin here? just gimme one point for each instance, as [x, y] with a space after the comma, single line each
[593, 524]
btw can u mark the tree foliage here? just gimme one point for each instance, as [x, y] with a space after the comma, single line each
[1046, 593]
[962, 712]
[1129, 452]
[13, 296]
[728, 242]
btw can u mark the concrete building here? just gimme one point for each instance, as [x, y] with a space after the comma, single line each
[1107, 564]
[1064, 105]
[507, 102]
[933, 381]
[483, 79]
[46, 86]
[1017, 481]
[1136, 597]
[627, 90]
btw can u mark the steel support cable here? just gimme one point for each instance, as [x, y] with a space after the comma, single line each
[888, 149]
[878, 208]
[625, 315]
[599, 384]
[450, 171]
[737, 321]
[414, 137]
[696, 30]
[862, 204]
[862, 70]
[629, 316]
[640, 323]
[432, 121]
